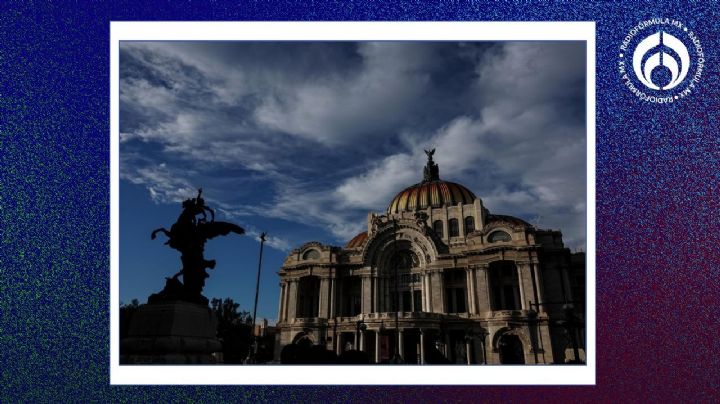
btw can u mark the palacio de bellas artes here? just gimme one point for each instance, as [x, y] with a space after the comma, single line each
[438, 279]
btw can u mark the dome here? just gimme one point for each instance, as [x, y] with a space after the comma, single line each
[357, 241]
[431, 192]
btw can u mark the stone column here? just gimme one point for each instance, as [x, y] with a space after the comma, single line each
[362, 341]
[468, 350]
[286, 297]
[281, 303]
[365, 294]
[438, 294]
[426, 292]
[481, 293]
[446, 225]
[422, 346]
[422, 292]
[447, 344]
[333, 297]
[527, 276]
[338, 344]
[540, 288]
[530, 290]
[521, 286]
[401, 343]
[488, 286]
[483, 347]
[323, 297]
[473, 290]
[470, 290]
[292, 299]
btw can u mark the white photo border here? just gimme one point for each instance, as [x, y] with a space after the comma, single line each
[335, 374]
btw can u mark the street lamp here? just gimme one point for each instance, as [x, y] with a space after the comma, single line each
[253, 347]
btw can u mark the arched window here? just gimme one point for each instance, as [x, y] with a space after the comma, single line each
[498, 236]
[311, 255]
[438, 227]
[453, 228]
[469, 225]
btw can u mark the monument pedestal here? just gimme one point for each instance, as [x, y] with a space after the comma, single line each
[174, 332]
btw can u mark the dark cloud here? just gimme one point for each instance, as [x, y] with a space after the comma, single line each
[326, 131]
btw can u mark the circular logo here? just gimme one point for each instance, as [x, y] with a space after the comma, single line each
[661, 60]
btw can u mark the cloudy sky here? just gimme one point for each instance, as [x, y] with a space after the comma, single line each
[302, 139]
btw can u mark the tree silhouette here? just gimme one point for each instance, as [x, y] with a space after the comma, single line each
[126, 313]
[234, 329]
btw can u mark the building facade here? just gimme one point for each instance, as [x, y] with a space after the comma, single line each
[438, 278]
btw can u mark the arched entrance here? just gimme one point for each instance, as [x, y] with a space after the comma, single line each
[304, 338]
[511, 350]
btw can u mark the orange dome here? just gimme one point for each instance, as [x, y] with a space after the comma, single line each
[357, 241]
[432, 193]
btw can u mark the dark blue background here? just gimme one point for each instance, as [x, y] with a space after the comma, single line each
[657, 207]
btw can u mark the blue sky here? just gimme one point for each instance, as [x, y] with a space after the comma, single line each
[303, 139]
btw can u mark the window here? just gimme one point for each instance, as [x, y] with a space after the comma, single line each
[406, 301]
[455, 291]
[308, 297]
[311, 255]
[455, 300]
[469, 225]
[438, 227]
[351, 292]
[460, 300]
[417, 301]
[454, 228]
[498, 236]
[407, 279]
[504, 286]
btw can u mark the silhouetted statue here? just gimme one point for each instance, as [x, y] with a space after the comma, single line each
[189, 235]
[430, 171]
[429, 154]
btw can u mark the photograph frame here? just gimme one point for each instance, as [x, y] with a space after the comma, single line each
[358, 31]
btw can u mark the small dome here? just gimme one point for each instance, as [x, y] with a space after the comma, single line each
[357, 241]
[434, 194]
